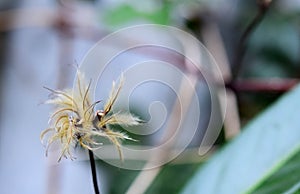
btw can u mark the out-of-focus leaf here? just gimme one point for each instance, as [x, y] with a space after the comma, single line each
[267, 146]
[172, 178]
[126, 13]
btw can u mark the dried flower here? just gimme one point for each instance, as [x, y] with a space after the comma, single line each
[74, 120]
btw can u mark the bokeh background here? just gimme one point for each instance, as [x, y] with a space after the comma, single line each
[256, 45]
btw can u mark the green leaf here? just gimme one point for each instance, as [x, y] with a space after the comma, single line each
[259, 157]
[172, 178]
[126, 13]
[285, 180]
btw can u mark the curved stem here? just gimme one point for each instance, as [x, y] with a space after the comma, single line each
[94, 174]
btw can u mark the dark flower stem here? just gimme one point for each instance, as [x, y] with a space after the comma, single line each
[94, 174]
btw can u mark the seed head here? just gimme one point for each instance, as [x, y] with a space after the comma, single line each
[74, 120]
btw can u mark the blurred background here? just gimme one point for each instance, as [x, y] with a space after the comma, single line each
[255, 43]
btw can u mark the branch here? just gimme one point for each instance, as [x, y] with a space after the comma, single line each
[263, 7]
[263, 85]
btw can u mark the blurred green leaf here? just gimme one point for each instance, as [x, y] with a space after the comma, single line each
[172, 178]
[265, 151]
[126, 13]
